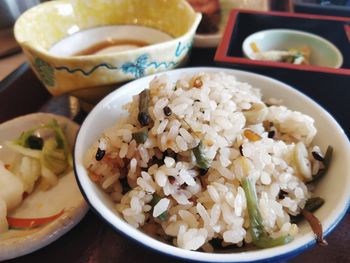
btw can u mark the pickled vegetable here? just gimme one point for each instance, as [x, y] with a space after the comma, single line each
[143, 116]
[201, 161]
[259, 235]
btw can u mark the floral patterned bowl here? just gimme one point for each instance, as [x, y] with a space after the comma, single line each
[90, 77]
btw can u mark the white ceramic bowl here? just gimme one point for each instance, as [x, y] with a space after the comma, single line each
[323, 52]
[334, 187]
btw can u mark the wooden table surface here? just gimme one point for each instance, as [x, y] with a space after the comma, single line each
[92, 240]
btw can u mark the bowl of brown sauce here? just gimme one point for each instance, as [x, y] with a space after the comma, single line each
[89, 48]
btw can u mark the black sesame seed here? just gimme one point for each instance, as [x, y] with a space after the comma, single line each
[35, 142]
[271, 134]
[144, 118]
[171, 153]
[171, 179]
[100, 154]
[317, 156]
[125, 185]
[282, 194]
[241, 150]
[167, 111]
[203, 172]
[183, 186]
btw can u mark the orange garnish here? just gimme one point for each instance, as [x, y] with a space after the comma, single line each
[251, 136]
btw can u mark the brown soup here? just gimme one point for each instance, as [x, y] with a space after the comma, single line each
[110, 43]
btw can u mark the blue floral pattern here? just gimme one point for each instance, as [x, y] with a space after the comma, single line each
[136, 68]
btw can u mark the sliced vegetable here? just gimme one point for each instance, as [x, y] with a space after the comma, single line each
[29, 171]
[3, 212]
[11, 188]
[163, 216]
[23, 150]
[259, 235]
[317, 156]
[316, 226]
[27, 223]
[313, 204]
[302, 162]
[53, 157]
[201, 161]
[254, 47]
[256, 114]
[24, 141]
[61, 139]
[326, 163]
[143, 116]
[141, 136]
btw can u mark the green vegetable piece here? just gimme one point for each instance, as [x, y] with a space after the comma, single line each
[313, 204]
[156, 198]
[62, 142]
[267, 242]
[141, 136]
[201, 161]
[326, 162]
[61, 139]
[259, 235]
[143, 116]
[125, 185]
[53, 157]
[163, 216]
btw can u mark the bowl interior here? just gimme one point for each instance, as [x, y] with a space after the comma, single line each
[108, 39]
[333, 187]
[323, 52]
[59, 19]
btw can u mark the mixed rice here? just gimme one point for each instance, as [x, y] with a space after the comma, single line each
[180, 165]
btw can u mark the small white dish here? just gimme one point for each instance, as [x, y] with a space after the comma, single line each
[323, 52]
[64, 196]
[212, 40]
[334, 187]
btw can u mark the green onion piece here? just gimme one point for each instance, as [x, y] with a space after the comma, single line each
[201, 161]
[259, 235]
[156, 198]
[143, 116]
[125, 185]
[141, 136]
[326, 162]
[163, 216]
[313, 204]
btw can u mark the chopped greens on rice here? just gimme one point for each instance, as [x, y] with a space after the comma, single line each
[205, 160]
